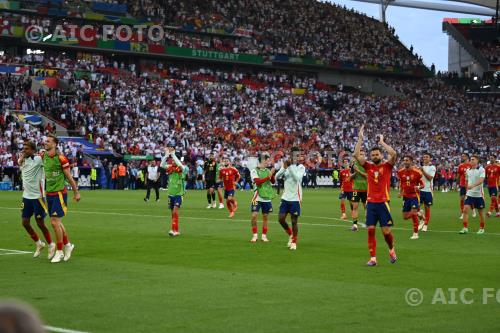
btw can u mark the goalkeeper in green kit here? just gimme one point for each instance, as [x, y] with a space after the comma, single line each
[176, 186]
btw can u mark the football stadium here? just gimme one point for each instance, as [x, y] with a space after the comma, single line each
[247, 166]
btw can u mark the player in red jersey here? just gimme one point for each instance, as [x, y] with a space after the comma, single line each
[230, 176]
[346, 187]
[492, 178]
[378, 172]
[410, 183]
[462, 169]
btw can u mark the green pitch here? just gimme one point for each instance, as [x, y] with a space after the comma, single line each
[127, 275]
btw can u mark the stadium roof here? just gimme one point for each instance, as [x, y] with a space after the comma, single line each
[481, 7]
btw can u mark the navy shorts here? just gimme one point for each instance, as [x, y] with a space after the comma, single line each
[463, 191]
[409, 204]
[378, 212]
[219, 184]
[493, 191]
[426, 198]
[58, 204]
[31, 207]
[174, 201]
[267, 207]
[474, 202]
[345, 195]
[290, 207]
[228, 193]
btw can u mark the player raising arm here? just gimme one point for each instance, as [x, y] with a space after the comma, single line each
[176, 186]
[57, 172]
[33, 197]
[378, 174]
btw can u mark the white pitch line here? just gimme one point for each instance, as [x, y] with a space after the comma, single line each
[61, 330]
[15, 251]
[218, 219]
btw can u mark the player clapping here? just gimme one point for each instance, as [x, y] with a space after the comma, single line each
[410, 183]
[474, 197]
[230, 177]
[426, 198]
[291, 199]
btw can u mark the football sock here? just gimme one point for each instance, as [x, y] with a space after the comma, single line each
[342, 207]
[414, 218]
[213, 197]
[462, 205]
[254, 230]
[372, 242]
[46, 232]
[427, 215]
[389, 239]
[65, 239]
[264, 230]
[209, 198]
[31, 232]
[175, 221]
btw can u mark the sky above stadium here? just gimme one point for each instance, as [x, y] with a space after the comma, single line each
[420, 28]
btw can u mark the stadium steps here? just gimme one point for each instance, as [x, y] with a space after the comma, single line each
[453, 32]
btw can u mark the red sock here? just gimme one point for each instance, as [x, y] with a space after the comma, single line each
[254, 230]
[65, 239]
[414, 218]
[427, 215]
[229, 205]
[264, 230]
[462, 205]
[46, 232]
[342, 207]
[389, 239]
[466, 224]
[289, 231]
[294, 239]
[175, 221]
[494, 204]
[372, 242]
[59, 246]
[31, 232]
[481, 224]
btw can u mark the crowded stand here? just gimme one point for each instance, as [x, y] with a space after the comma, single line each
[265, 29]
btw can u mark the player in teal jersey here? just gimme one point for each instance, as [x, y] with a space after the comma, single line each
[263, 179]
[56, 174]
[358, 176]
[176, 186]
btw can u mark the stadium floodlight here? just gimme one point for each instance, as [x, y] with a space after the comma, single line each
[475, 78]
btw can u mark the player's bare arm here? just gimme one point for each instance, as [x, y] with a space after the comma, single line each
[357, 150]
[392, 153]
[69, 178]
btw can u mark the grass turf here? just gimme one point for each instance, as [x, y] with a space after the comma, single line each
[127, 275]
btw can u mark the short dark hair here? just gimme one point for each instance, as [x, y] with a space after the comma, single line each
[409, 157]
[345, 159]
[428, 154]
[56, 140]
[375, 148]
[30, 144]
[466, 154]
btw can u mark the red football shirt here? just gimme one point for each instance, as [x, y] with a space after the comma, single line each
[492, 175]
[378, 177]
[462, 168]
[408, 179]
[229, 176]
[346, 184]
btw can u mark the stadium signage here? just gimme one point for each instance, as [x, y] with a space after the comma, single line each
[138, 157]
[215, 55]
